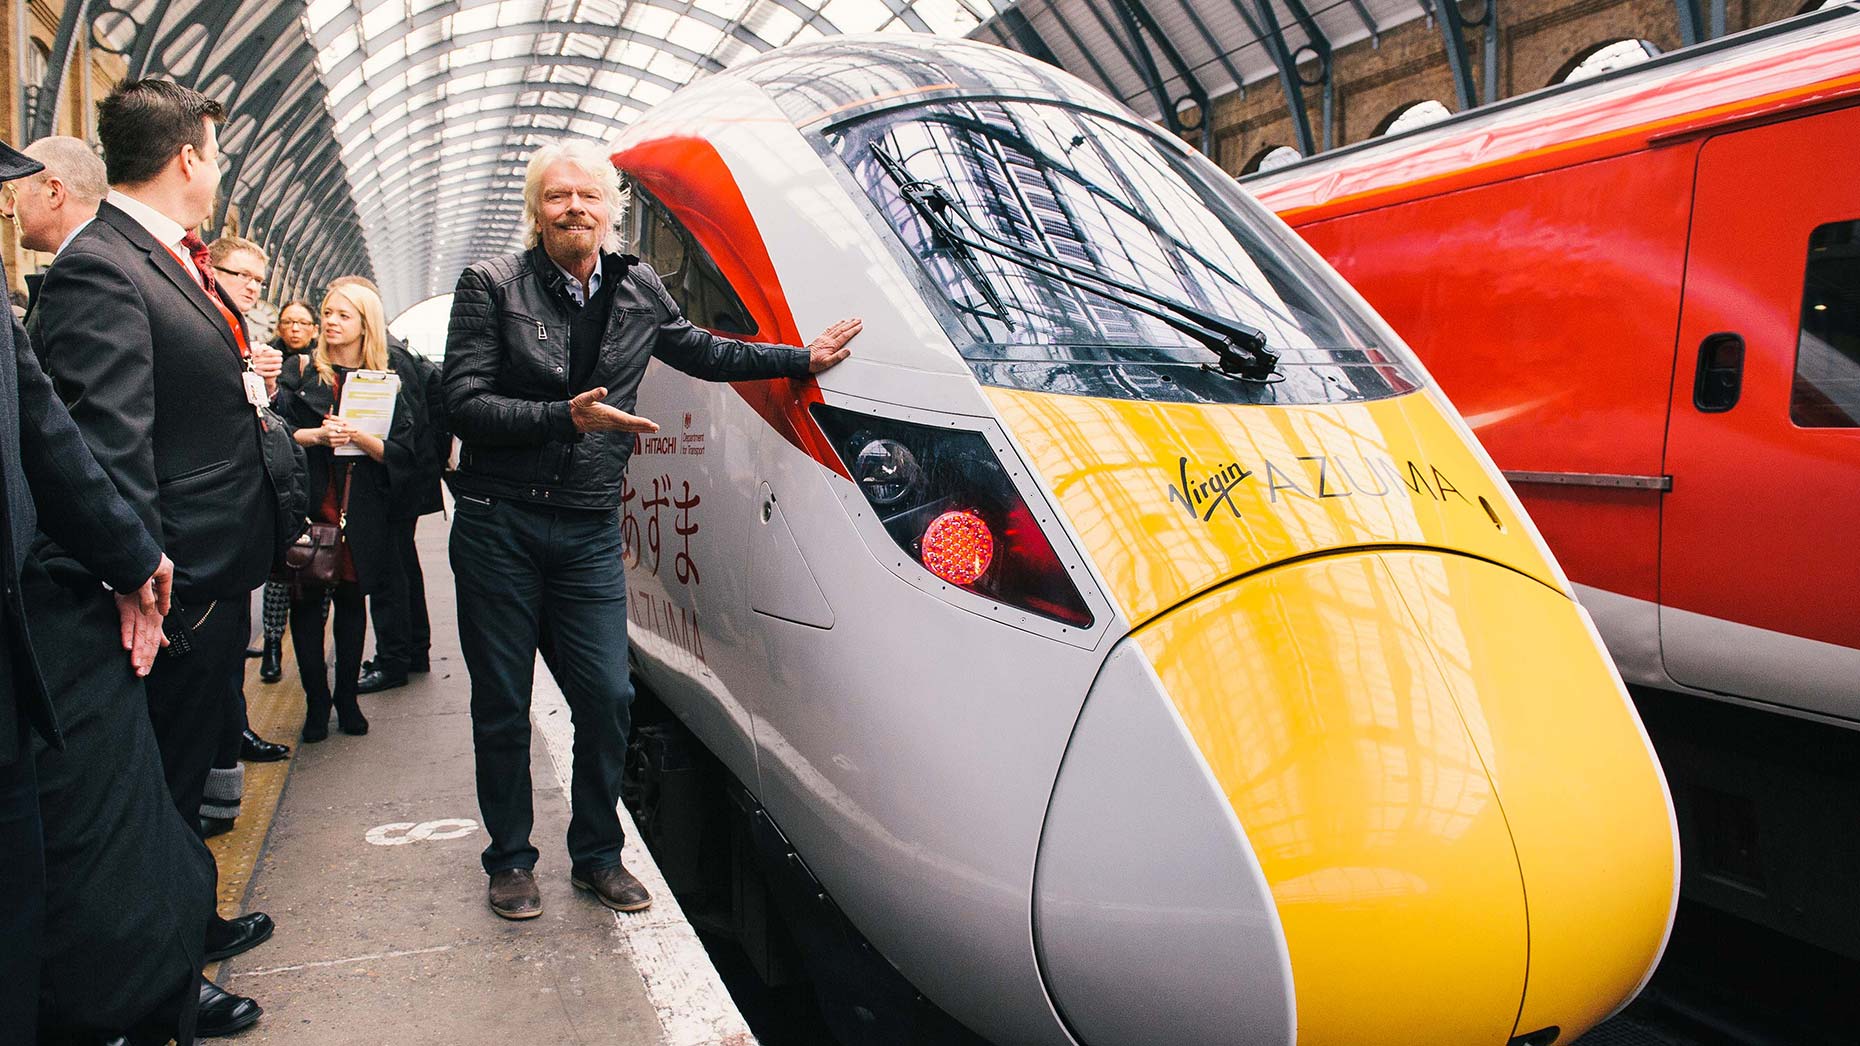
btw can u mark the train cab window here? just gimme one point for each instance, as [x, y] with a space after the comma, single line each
[1099, 254]
[1826, 392]
[690, 276]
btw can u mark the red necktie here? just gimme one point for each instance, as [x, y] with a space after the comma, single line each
[197, 249]
[203, 262]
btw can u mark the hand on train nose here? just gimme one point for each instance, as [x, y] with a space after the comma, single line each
[830, 347]
[591, 415]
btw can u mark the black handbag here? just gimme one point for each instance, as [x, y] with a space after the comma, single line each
[315, 558]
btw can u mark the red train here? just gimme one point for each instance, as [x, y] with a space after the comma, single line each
[1643, 293]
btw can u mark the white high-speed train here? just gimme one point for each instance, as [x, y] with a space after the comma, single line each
[1128, 644]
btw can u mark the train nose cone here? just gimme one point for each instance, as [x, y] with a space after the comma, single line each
[1419, 780]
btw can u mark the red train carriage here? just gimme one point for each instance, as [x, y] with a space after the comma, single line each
[1643, 292]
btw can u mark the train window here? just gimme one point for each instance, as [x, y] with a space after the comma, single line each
[1062, 194]
[1826, 392]
[690, 276]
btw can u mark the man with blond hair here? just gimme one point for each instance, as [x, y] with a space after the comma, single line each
[542, 406]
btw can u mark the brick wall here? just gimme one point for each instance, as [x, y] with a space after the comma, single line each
[1537, 41]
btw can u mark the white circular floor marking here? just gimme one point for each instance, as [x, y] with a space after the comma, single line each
[400, 833]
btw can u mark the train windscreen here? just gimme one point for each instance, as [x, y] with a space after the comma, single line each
[1078, 254]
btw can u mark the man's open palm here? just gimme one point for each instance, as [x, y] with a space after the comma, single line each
[591, 415]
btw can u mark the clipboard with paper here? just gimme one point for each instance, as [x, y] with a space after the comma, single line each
[368, 405]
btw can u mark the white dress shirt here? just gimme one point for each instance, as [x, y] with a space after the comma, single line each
[168, 232]
[72, 235]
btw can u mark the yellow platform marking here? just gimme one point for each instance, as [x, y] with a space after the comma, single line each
[276, 713]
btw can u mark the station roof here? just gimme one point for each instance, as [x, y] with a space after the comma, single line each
[388, 137]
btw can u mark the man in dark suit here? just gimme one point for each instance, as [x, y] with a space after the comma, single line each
[49, 482]
[152, 359]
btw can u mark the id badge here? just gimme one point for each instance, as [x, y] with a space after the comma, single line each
[255, 391]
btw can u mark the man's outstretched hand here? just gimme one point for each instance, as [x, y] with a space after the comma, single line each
[140, 613]
[591, 415]
[830, 347]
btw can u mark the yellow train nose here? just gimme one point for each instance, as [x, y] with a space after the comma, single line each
[1463, 829]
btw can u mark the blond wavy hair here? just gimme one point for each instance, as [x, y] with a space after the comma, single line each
[374, 330]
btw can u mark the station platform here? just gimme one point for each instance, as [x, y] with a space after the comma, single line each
[364, 850]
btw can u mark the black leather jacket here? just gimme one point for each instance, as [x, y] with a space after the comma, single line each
[507, 376]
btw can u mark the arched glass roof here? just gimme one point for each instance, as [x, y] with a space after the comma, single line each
[388, 137]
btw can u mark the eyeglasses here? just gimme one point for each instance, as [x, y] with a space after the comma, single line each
[296, 323]
[250, 277]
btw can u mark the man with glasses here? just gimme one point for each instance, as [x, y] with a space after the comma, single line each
[239, 265]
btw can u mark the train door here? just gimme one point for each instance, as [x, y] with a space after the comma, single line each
[1759, 568]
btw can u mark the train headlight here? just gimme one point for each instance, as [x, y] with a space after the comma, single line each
[944, 497]
[886, 470]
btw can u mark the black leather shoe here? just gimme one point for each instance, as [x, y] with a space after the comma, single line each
[229, 937]
[374, 681]
[222, 1012]
[514, 895]
[615, 887]
[271, 669]
[212, 826]
[255, 749]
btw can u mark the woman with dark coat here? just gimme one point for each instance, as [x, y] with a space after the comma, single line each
[296, 335]
[354, 338]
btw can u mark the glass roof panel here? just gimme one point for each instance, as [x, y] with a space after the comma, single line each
[416, 87]
[857, 16]
[384, 17]
[321, 12]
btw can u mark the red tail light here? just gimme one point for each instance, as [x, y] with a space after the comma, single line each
[958, 547]
[943, 496]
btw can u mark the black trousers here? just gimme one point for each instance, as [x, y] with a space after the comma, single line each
[190, 699]
[520, 568]
[233, 714]
[307, 627]
[129, 886]
[403, 633]
[22, 882]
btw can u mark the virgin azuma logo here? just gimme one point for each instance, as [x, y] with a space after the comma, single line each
[1214, 491]
[1314, 477]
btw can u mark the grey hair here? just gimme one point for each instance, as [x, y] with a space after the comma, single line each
[73, 162]
[594, 162]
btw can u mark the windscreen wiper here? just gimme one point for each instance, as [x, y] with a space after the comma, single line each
[1240, 349]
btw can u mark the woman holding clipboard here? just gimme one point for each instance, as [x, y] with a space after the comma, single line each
[352, 471]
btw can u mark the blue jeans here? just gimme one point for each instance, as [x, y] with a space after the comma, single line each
[527, 574]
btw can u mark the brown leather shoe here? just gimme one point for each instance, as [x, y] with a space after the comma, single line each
[514, 894]
[615, 887]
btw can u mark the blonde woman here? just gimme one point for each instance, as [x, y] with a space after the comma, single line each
[354, 337]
